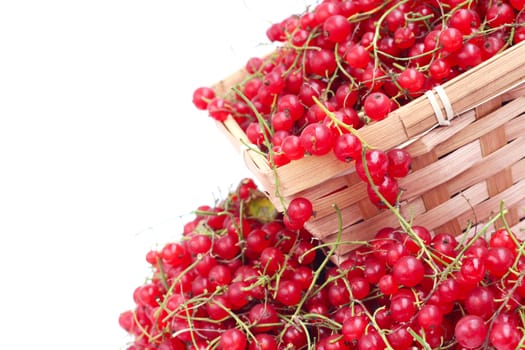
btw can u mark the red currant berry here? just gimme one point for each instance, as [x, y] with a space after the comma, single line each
[377, 106]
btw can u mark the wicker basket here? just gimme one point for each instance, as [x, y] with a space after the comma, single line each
[460, 173]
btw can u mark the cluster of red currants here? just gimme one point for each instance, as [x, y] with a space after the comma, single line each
[242, 278]
[342, 64]
[415, 290]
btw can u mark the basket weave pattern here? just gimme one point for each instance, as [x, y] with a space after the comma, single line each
[460, 173]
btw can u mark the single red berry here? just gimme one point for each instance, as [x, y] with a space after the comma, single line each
[347, 147]
[377, 106]
[412, 80]
[399, 162]
[272, 260]
[202, 96]
[357, 56]
[389, 190]
[317, 139]
[219, 109]
[336, 28]
[300, 209]
[470, 331]
[505, 336]
[408, 271]
[292, 147]
[376, 164]
[289, 292]
[451, 39]
[263, 318]
[233, 339]
[430, 317]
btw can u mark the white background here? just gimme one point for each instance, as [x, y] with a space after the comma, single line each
[102, 151]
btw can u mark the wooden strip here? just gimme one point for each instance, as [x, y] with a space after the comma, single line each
[433, 196]
[342, 198]
[325, 226]
[439, 171]
[441, 134]
[489, 207]
[453, 208]
[385, 134]
[515, 127]
[488, 107]
[411, 209]
[488, 166]
[502, 158]
[325, 189]
[502, 180]
[514, 93]
[519, 228]
[483, 126]
[367, 208]
[308, 172]
[518, 170]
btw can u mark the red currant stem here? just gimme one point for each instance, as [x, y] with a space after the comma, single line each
[377, 32]
[163, 278]
[169, 292]
[331, 81]
[443, 14]
[509, 230]
[480, 233]
[209, 212]
[510, 40]
[262, 122]
[327, 282]
[306, 46]
[185, 306]
[419, 339]
[323, 264]
[418, 18]
[291, 320]
[510, 293]
[339, 123]
[327, 320]
[142, 329]
[252, 147]
[402, 221]
[398, 66]
[426, 53]
[490, 30]
[361, 16]
[374, 324]
[457, 259]
[324, 245]
[190, 321]
[522, 340]
[267, 142]
[522, 317]
[343, 70]
[261, 281]
[373, 81]
[278, 276]
[237, 319]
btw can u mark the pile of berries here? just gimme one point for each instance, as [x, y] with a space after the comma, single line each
[243, 278]
[345, 63]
